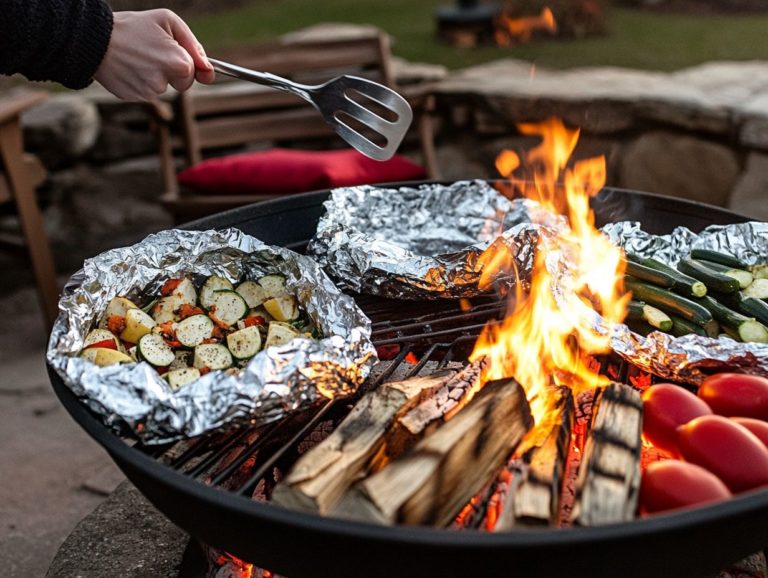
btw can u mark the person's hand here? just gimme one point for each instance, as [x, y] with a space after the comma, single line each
[147, 52]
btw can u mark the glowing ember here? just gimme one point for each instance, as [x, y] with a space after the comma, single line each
[515, 30]
[543, 341]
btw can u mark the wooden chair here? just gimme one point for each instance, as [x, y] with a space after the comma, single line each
[207, 121]
[20, 175]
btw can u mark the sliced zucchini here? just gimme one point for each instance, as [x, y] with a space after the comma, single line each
[194, 330]
[181, 359]
[244, 343]
[154, 350]
[653, 316]
[718, 257]
[280, 333]
[756, 308]
[742, 276]
[669, 302]
[178, 377]
[711, 278]
[682, 327]
[252, 292]
[137, 324]
[758, 289]
[650, 275]
[118, 306]
[227, 306]
[284, 308]
[213, 356]
[212, 284]
[684, 284]
[273, 285]
[104, 356]
[100, 336]
[747, 328]
[759, 271]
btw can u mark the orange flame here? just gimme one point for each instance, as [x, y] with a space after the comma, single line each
[545, 341]
[510, 30]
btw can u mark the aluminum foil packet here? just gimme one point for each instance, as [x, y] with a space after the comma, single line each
[691, 358]
[423, 243]
[135, 399]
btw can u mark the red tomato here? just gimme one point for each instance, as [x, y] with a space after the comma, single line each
[673, 484]
[736, 394]
[665, 408]
[756, 426]
[726, 449]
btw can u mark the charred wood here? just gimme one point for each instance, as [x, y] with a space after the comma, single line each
[322, 475]
[436, 479]
[609, 476]
[533, 497]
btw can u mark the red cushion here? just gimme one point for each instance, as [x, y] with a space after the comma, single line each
[281, 171]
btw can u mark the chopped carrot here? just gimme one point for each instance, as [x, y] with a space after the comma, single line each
[217, 322]
[167, 328]
[187, 310]
[116, 324]
[204, 370]
[169, 286]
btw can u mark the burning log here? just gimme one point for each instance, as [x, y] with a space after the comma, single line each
[533, 498]
[323, 474]
[609, 477]
[431, 483]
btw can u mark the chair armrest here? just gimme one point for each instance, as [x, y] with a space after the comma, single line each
[13, 105]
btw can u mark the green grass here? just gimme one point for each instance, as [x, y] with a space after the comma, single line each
[636, 39]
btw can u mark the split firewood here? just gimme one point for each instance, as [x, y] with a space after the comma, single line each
[432, 412]
[436, 479]
[322, 475]
[533, 498]
[609, 476]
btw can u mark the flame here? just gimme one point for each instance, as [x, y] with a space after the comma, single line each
[510, 30]
[543, 343]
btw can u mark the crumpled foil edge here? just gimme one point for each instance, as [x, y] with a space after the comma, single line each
[135, 399]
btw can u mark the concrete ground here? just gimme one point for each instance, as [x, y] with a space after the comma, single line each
[51, 473]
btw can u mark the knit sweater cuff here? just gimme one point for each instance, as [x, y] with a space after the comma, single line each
[91, 40]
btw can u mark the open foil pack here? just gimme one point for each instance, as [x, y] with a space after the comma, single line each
[691, 358]
[135, 399]
[426, 242]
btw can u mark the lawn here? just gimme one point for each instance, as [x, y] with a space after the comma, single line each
[637, 39]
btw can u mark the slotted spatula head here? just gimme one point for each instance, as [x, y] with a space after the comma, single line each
[369, 116]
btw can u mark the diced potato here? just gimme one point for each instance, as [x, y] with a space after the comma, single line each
[137, 324]
[99, 335]
[283, 308]
[103, 356]
[118, 306]
[182, 376]
[280, 333]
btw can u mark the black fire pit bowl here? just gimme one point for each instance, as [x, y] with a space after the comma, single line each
[695, 543]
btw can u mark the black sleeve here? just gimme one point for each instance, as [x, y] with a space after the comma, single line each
[60, 40]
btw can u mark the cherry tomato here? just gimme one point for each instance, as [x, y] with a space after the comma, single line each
[736, 394]
[665, 408]
[726, 449]
[672, 484]
[756, 426]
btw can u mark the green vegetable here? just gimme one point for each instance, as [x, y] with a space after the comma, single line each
[717, 257]
[684, 284]
[711, 278]
[743, 277]
[732, 322]
[649, 275]
[637, 310]
[682, 327]
[669, 302]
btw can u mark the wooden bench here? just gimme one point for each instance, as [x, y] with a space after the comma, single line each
[20, 174]
[209, 121]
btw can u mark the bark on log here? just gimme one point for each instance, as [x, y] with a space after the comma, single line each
[435, 480]
[533, 498]
[609, 476]
[322, 475]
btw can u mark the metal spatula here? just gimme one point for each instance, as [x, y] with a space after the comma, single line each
[334, 100]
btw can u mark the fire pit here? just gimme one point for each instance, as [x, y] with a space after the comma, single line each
[210, 486]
